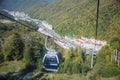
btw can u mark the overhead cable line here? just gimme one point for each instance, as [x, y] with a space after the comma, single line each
[17, 21]
[96, 30]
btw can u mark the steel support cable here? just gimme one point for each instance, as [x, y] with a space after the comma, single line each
[46, 43]
[27, 27]
[97, 16]
[96, 30]
[17, 21]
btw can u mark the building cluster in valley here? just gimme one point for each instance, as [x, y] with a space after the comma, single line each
[66, 42]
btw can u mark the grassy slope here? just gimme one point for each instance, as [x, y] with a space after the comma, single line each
[7, 67]
[53, 76]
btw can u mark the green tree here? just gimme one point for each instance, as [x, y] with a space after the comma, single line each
[73, 61]
[110, 70]
[104, 67]
[28, 55]
[115, 42]
[13, 47]
[1, 55]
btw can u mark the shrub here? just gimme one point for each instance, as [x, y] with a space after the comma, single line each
[110, 70]
[13, 47]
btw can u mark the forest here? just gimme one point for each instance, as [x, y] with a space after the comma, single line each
[24, 48]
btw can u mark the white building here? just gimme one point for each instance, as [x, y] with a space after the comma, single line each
[45, 24]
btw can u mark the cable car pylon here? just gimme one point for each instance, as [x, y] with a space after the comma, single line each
[96, 29]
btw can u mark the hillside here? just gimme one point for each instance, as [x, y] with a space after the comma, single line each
[24, 5]
[74, 17]
[77, 18]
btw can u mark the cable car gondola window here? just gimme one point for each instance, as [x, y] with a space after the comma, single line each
[50, 60]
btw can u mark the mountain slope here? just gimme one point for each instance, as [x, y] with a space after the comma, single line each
[24, 5]
[77, 17]
[69, 17]
[73, 17]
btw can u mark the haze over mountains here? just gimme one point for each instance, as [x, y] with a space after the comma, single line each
[23, 4]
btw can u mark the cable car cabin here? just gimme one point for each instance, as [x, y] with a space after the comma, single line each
[51, 61]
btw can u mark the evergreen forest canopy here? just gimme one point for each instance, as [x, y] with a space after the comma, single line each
[69, 17]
